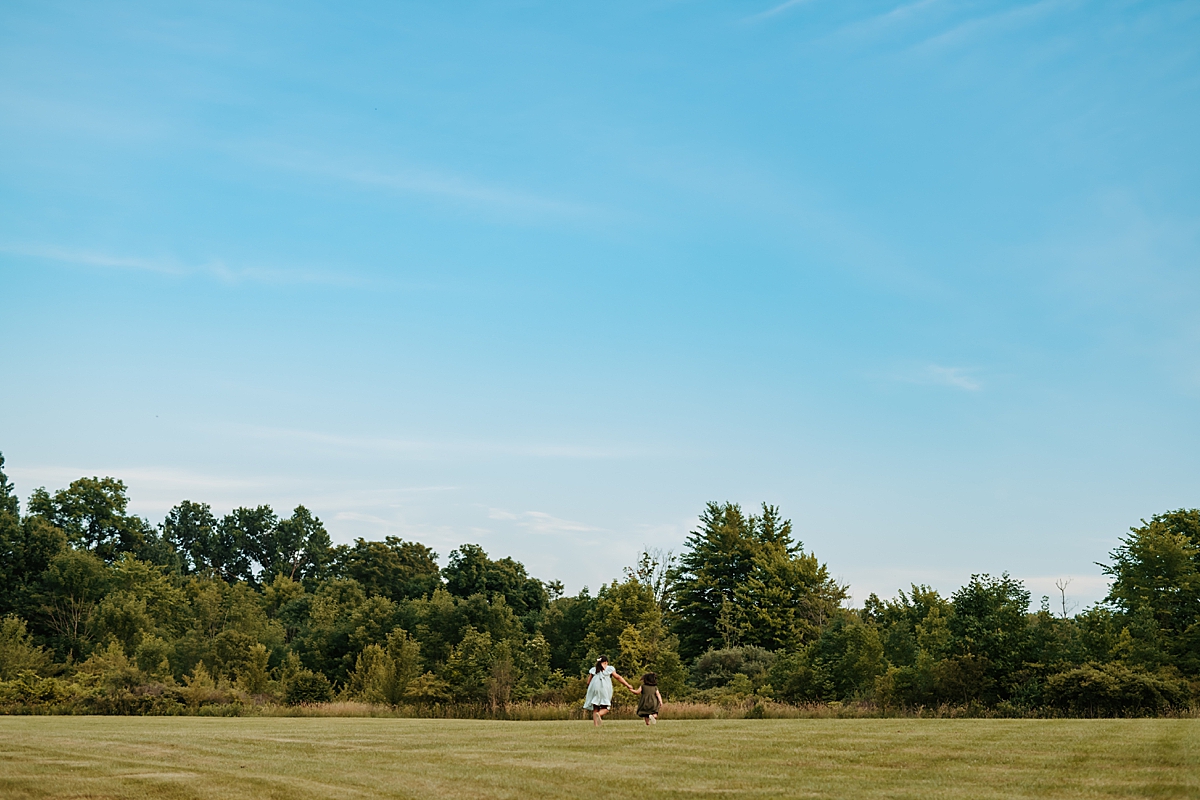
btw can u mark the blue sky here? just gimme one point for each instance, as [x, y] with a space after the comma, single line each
[548, 277]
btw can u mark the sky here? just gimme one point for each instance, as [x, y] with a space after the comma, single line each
[549, 277]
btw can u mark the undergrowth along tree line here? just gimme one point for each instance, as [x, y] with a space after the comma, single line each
[103, 612]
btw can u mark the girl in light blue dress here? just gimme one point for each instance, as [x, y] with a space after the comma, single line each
[600, 689]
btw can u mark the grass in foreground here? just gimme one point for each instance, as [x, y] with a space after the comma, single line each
[189, 757]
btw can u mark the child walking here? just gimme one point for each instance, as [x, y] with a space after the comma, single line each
[650, 702]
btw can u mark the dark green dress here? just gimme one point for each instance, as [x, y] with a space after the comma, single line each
[648, 701]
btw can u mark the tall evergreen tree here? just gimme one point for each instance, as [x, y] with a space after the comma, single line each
[744, 580]
[9, 504]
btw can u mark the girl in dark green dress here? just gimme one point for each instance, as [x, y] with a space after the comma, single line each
[650, 702]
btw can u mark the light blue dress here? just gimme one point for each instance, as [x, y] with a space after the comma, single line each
[599, 691]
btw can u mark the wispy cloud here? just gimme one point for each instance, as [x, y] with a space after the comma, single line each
[216, 270]
[462, 190]
[1126, 267]
[153, 489]
[357, 509]
[418, 448]
[540, 522]
[936, 375]
[775, 10]
[979, 26]
[880, 23]
[809, 220]
[456, 187]
[42, 111]
[161, 476]
[903, 12]
[952, 376]
[364, 524]
[93, 258]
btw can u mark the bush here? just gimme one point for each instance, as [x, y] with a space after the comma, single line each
[1115, 690]
[18, 654]
[793, 679]
[29, 692]
[718, 667]
[308, 687]
[907, 686]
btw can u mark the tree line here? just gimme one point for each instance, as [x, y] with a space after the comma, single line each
[103, 612]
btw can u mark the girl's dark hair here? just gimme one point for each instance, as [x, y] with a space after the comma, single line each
[650, 679]
[600, 664]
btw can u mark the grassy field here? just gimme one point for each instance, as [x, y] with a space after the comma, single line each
[189, 757]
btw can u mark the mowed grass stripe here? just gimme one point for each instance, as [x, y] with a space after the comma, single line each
[189, 757]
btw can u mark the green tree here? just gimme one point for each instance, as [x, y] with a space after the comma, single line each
[787, 600]
[222, 622]
[744, 580]
[564, 626]
[626, 623]
[901, 621]
[841, 664]
[326, 642]
[9, 503]
[72, 585]
[718, 557]
[847, 657]
[153, 656]
[18, 653]
[192, 530]
[298, 547]
[469, 667]
[470, 572]
[141, 600]
[248, 535]
[991, 635]
[393, 568]
[26, 549]
[1156, 588]
[91, 511]
[254, 677]
[914, 631]
[481, 669]
[383, 672]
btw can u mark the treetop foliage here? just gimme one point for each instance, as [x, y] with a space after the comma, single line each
[100, 610]
[744, 580]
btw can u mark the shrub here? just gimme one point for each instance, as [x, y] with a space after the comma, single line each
[842, 664]
[718, 667]
[907, 686]
[18, 654]
[1115, 690]
[793, 679]
[308, 687]
[29, 692]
